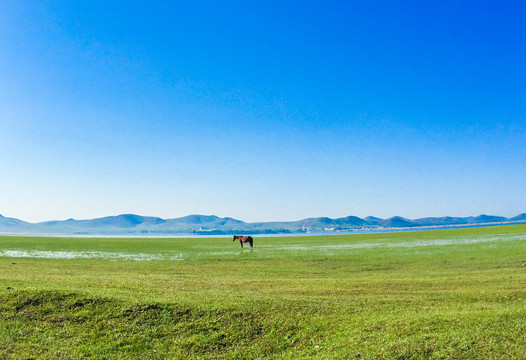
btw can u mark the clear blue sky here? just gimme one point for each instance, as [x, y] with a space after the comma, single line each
[262, 111]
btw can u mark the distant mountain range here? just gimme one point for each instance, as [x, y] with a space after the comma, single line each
[130, 224]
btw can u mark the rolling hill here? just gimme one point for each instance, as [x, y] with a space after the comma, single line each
[131, 224]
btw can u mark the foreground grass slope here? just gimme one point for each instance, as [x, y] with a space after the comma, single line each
[435, 294]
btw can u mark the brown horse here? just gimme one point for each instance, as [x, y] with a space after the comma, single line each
[244, 239]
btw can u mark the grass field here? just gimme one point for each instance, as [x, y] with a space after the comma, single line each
[412, 295]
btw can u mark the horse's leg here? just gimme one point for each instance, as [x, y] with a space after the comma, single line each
[241, 242]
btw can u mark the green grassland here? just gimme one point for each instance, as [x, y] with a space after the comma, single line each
[410, 295]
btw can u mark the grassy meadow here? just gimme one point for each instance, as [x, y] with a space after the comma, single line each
[458, 293]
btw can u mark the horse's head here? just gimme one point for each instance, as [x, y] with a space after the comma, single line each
[234, 239]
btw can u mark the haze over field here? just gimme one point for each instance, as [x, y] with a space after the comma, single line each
[262, 112]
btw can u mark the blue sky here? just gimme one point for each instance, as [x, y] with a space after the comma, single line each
[266, 111]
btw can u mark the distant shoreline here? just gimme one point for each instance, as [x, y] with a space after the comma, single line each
[285, 234]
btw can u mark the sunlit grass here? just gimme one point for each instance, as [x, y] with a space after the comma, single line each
[435, 294]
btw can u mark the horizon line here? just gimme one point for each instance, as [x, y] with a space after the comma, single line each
[252, 222]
